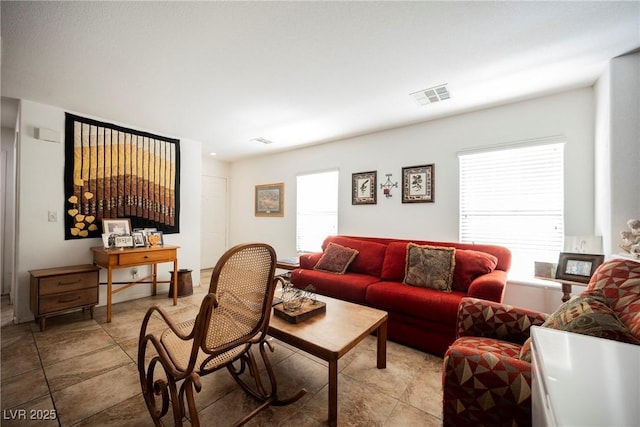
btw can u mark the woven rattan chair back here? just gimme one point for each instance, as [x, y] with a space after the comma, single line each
[233, 318]
[243, 283]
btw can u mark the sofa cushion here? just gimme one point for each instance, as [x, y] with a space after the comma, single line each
[471, 264]
[430, 267]
[395, 262]
[350, 287]
[588, 314]
[424, 303]
[369, 258]
[335, 259]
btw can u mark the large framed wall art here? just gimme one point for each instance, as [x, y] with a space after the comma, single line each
[114, 172]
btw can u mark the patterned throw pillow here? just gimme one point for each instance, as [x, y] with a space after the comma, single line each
[588, 314]
[335, 259]
[430, 267]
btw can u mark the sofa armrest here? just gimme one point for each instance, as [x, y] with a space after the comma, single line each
[485, 389]
[482, 318]
[309, 260]
[489, 286]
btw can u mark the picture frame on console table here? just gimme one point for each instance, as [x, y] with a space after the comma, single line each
[117, 226]
[418, 183]
[363, 188]
[576, 267]
[269, 200]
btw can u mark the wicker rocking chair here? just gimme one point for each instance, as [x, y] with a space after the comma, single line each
[233, 318]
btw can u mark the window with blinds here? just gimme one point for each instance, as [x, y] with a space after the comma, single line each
[316, 210]
[514, 197]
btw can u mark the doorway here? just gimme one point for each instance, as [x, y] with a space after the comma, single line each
[213, 238]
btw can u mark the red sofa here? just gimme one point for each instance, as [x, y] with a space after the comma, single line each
[418, 317]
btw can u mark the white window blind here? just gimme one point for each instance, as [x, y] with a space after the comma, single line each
[317, 209]
[514, 197]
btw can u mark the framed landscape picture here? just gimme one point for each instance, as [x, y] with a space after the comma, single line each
[417, 184]
[269, 200]
[363, 188]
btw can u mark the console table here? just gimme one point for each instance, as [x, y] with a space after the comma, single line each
[578, 380]
[111, 259]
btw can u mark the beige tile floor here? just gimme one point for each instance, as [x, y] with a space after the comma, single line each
[85, 370]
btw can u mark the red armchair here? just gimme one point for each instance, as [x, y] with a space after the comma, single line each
[487, 369]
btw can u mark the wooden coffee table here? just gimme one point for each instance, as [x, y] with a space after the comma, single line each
[330, 335]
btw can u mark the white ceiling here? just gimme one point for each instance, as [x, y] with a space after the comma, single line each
[300, 73]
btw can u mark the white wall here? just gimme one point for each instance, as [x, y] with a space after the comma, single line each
[7, 181]
[570, 114]
[41, 243]
[618, 149]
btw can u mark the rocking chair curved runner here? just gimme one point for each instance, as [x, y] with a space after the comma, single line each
[233, 318]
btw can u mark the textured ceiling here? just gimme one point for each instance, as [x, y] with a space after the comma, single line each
[300, 73]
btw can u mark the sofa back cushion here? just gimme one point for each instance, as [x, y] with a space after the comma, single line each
[370, 254]
[469, 265]
[619, 280]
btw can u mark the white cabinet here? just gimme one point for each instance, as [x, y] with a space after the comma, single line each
[580, 380]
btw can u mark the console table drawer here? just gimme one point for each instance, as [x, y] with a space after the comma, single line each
[65, 283]
[67, 300]
[146, 257]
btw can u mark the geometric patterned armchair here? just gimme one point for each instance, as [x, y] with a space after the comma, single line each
[487, 369]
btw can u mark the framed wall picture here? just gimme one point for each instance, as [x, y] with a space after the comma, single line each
[117, 226]
[363, 188]
[577, 267]
[269, 200]
[418, 184]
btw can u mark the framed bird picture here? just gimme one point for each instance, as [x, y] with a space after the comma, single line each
[363, 188]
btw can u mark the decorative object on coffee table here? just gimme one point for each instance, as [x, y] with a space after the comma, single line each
[298, 305]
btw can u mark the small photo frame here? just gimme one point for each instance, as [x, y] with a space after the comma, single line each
[117, 226]
[363, 188]
[106, 242]
[417, 184]
[155, 238]
[138, 239]
[577, 267]
[123, 241]
[269, 200]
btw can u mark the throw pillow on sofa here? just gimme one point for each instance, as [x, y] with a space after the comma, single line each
[335, 259]
[430, 267]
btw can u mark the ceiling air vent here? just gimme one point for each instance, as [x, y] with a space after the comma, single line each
[261, 140]
[431, 95]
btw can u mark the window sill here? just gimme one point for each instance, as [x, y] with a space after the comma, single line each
[534, 282]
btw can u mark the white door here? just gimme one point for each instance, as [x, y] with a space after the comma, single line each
[213, 240]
